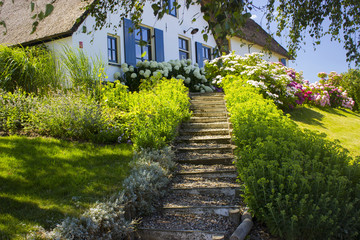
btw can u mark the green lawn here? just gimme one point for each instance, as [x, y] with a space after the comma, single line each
[44, 179]
[341, 124]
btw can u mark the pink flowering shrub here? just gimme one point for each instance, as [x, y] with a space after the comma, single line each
[326, 93]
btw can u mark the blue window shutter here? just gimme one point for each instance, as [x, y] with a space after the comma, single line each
[159, 45]
[199, 54]
[129, 38]
[283, 61]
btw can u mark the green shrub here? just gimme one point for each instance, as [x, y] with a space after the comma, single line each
[14, 110]
[83, 72]
[351, 82]
[33, 69]
[193, 76]
[300, 184]
[151, 115]
[74, 115]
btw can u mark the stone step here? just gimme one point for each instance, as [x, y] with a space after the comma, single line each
[204, 132]
[209, 174]
[205, 148]
[210, 110]
[215, 210]
[171, 234]
[202, 119]
[215, 139]
[201, 102]
[218, 124]
[199, 182]
[205, 222]
[227, 191]
[225, 160]
[208, 107]
[179, 198]
[210, 114]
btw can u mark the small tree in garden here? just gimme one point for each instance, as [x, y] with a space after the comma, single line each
[351, 82]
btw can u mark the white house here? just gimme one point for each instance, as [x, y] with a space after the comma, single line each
[175, 36]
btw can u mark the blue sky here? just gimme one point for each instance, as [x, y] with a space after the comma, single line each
[328, 56]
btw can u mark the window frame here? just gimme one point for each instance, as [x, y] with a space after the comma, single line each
[210, 52]
[182, 50]
[150, 43]
[113, 39]
[169, 6]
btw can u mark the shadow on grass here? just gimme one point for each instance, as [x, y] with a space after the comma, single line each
[24, 212]
[46, 174]
[307, 116]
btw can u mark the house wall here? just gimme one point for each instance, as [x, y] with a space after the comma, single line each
[95, 44]
[242, 47]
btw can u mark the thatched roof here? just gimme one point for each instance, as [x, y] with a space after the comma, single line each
[254, 33]
[61, 22]
[64, 20]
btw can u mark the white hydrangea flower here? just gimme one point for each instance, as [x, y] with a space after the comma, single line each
[147, 73]
[187, 80]
[117, 75]
[141, 72]
[133, 75]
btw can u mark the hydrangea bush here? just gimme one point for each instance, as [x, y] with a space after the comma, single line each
[193, 76]
[274, 80]
[283, 85]
[327, 92]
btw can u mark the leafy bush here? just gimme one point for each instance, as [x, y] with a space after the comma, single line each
[74, 115]
[15, 110]
[327, 92]
[300, 184]
[84, 72]
[33, 69]
[151, 116]
[274, 80]
[193, 76]
[140, 196]
[351, 82]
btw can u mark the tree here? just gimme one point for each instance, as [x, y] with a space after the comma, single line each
[226, 17]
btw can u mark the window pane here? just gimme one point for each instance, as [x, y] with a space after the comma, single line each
[114, 57]
[113, 43]
[109, 55]
[137, 34]
[180, 45]
[138, 50]
[145, 34]
[109, 42]
[183, 55]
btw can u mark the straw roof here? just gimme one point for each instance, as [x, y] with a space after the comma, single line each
[254, 33]
[64, 20]
[17, 15]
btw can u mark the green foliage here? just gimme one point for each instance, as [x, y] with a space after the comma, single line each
[301, 17]
[152, 115]
[148, 180]
[15, 110]
[71, 115]
[193, 76]
[351, 82]
[272, 79]
[300, 184]
[33, 69]
[84, 72]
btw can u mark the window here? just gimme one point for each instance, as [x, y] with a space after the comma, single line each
[283, 61]
[112, 49]
[206, 53]
[184, 52]
[171, 7]
[143, 44]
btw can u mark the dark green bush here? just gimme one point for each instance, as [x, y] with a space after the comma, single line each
[15, 110]
[152, 115]
[33, 69]
[299, 183]
[351, 82]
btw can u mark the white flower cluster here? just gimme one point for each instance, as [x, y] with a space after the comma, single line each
[257, 84]
[193, 76]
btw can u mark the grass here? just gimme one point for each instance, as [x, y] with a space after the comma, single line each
[341, 124]
[45, 179]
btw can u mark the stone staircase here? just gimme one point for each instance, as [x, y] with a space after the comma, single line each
[204, 201]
